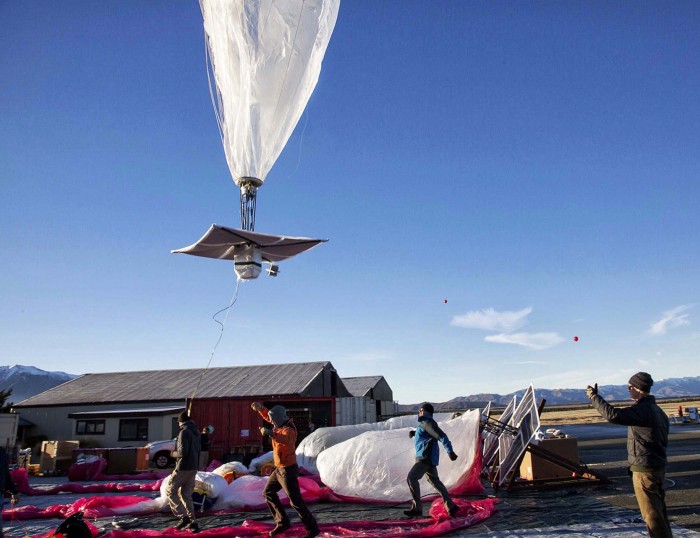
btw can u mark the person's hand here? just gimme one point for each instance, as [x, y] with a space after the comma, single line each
[256, 406]
[266, 431]
[412, 433]
[591, 391]
[452, 456]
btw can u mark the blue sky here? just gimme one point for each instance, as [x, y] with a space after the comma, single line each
[494, 178]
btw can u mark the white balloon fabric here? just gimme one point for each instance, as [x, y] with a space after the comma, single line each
[244, 491]
[210, 484]
[266, 58]
[374, 464]
[323, 438]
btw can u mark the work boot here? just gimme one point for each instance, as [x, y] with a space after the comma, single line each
[183, 523]
[413, 513]
[193, 526]
[279, 529]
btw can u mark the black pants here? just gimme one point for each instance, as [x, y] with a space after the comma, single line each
[287, 478]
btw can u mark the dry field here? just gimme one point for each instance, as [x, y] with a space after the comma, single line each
[585, 414]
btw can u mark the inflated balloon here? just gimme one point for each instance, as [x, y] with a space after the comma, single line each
[266, 59]
[575, 338]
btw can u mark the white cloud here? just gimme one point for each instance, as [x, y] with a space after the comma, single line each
[676, 317]
[531, 340]
[540, 363]
[491, 320]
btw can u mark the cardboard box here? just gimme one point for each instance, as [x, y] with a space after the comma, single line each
[534, 467]
[57, 456]
[126, 460]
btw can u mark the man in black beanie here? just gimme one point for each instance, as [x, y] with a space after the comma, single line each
[181, 487]
[647, 438]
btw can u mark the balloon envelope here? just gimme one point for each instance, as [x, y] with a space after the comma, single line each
[266, 58]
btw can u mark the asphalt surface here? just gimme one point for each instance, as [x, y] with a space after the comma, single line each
[603, 509]
[572, 511]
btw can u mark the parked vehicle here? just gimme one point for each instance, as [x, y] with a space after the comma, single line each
[159, 453]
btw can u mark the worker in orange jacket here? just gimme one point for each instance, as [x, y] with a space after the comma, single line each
[286, 473]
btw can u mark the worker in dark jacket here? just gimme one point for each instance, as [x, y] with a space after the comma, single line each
[426, 437]
[647, 438]
[204, 447]
[286, 473]
[181, 487]
[6, 484]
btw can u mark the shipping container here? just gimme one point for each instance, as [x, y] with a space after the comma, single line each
[388, 409]
[236, 435]
[354, 410]
[8, 431]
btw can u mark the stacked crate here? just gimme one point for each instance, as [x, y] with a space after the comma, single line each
[56, 456]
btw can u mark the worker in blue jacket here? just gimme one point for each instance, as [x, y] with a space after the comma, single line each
[426, 437]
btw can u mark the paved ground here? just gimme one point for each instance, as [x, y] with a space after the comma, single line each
[611, 509]
[602, 510]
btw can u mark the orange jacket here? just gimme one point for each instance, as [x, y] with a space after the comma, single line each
[284, 440]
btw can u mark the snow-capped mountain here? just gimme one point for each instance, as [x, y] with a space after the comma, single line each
[26, 381]
[665, 388]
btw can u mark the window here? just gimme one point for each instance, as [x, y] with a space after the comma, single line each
[90, 427]
[133, 429]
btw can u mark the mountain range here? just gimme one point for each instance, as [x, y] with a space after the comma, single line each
[26, 381]
[680, 387]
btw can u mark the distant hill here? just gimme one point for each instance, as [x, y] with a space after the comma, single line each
[666, 388]
[27, 381]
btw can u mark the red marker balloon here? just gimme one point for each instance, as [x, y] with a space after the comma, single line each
[575, 338]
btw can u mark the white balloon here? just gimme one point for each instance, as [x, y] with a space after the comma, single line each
[266, 58]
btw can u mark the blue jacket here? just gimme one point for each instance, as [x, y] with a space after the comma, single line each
[428, 433]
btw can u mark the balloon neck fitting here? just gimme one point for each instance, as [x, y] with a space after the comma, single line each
[249, 189]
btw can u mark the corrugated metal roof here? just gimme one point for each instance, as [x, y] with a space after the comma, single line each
[169, 385]
[361, 386]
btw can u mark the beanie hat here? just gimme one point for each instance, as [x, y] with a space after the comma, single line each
[641, 381]
[183, 417]
[428, 408]
[278, 415]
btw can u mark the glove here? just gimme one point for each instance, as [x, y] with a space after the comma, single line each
[256, 406]
[266, 431]
[452, 456]
[412, 434]
[591, 391]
